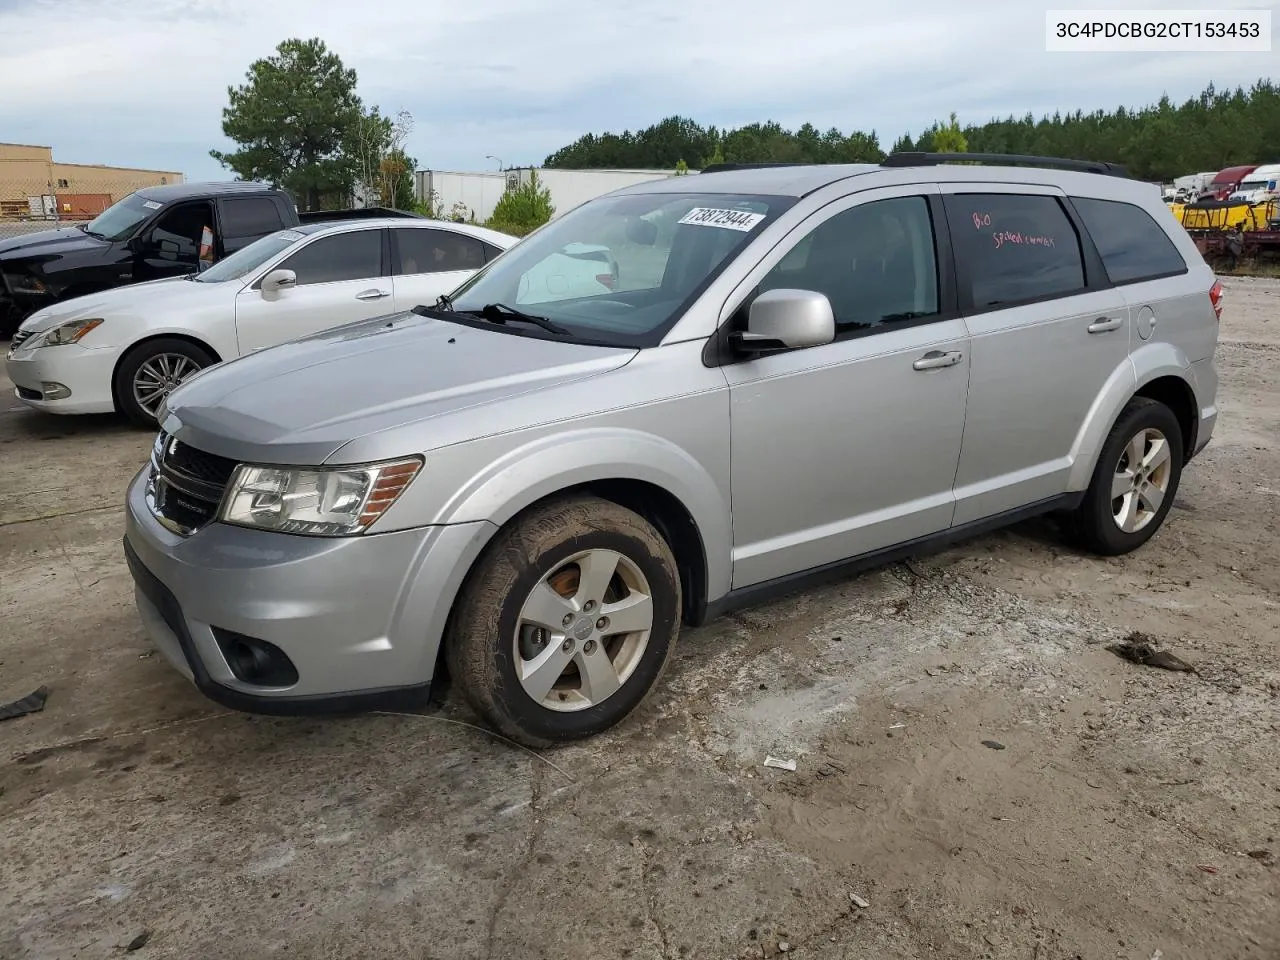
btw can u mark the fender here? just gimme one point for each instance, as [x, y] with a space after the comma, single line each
[1149, 362]
[558, 461]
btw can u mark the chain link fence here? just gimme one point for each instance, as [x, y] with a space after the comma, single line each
[29, 205]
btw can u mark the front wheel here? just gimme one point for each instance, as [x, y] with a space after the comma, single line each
[567, 622]
[1134, 482]
[151, 371]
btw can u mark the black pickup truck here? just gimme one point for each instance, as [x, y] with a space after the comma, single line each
[153, 233]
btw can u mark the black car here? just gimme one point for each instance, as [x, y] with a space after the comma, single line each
[153, 233]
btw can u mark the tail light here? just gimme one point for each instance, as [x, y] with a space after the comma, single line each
[605, 280]
[1215, 298]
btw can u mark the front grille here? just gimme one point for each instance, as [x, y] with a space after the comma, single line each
[186, 484]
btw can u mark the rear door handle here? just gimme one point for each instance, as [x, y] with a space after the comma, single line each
[1105, 324]
[935, 359]
[372, 295]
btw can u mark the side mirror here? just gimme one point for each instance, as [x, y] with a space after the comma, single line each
[167, 249]
[278, 280]
[787, 320]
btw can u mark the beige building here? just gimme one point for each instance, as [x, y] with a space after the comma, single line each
[33, 184]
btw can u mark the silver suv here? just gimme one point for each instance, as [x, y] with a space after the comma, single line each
[802, 371]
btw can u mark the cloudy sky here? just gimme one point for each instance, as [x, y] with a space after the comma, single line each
[143, 82]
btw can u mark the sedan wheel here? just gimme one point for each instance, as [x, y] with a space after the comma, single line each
[151, 371]
[158, 377]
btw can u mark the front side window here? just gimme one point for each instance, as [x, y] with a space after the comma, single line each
[875, 262]
[437, 251]
[179, 230]
[1131, 244]
[344, 256]
[622, 269]
[1013, 248]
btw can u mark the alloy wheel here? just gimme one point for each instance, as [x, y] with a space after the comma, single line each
[583, 630]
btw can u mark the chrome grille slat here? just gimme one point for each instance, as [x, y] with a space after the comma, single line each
[186, 484]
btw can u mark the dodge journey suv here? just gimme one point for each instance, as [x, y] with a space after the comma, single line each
[801, 371]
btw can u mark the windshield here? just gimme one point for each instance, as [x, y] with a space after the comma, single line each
[119, 220]
[248, 259]
[621, 270]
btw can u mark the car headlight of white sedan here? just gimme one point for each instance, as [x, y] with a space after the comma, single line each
[73, 331]
[319, 501]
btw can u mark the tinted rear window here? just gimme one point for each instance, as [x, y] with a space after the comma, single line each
[1014, 248]
[1132, 245]
[249, 217]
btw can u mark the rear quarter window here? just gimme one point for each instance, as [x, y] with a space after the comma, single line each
[1013, 248]
[1132, 245]
[249, 217]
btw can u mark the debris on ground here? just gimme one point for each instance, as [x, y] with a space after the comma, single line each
[777, 764]
[1264, 855]
[31, 703]
[993, 744]
[138, 942]
[1207, 868]
[1137, 648]
[858, 901]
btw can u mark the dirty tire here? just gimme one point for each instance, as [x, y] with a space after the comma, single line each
[481, 644]
[122, 382]
[1092, 524]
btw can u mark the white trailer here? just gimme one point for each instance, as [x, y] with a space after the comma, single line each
[478, 193]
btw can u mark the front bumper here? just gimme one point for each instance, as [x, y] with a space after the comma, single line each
[85, 373]
[361, 618]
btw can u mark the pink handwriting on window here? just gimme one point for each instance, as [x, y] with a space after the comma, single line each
[1002, 237]
[981, 220]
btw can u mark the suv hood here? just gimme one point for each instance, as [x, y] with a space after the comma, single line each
[64, 240]
[300, 402]
[153, 297]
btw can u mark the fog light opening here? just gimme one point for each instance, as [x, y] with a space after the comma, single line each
[256, 661]
[55, 391]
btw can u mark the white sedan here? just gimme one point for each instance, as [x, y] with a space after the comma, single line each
[126, 349]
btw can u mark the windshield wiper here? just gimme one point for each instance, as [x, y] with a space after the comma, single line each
[444, 302]
[501, 313]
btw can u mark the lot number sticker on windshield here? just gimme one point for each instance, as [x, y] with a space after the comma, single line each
[726, 219]
[152, 205]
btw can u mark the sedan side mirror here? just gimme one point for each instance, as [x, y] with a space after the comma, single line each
[278, 280]
[787, 320]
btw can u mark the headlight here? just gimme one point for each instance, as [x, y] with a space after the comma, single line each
[24, 283]
[320, 502]
[71, 332]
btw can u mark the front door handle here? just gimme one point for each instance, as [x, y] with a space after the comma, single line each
[372, 295]
[935, 359]
[1105, 324]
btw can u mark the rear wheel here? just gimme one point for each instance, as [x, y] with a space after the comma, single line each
[567, 622]
[1134, 483]
[151, 371]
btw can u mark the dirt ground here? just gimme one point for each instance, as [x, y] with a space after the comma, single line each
[972, 763]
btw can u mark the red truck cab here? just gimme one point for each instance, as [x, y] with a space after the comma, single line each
[1226, 182]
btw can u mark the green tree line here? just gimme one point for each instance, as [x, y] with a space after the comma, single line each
[1160, 141]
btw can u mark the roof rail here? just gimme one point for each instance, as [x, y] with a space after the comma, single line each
[722, 167]
[918, 159]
